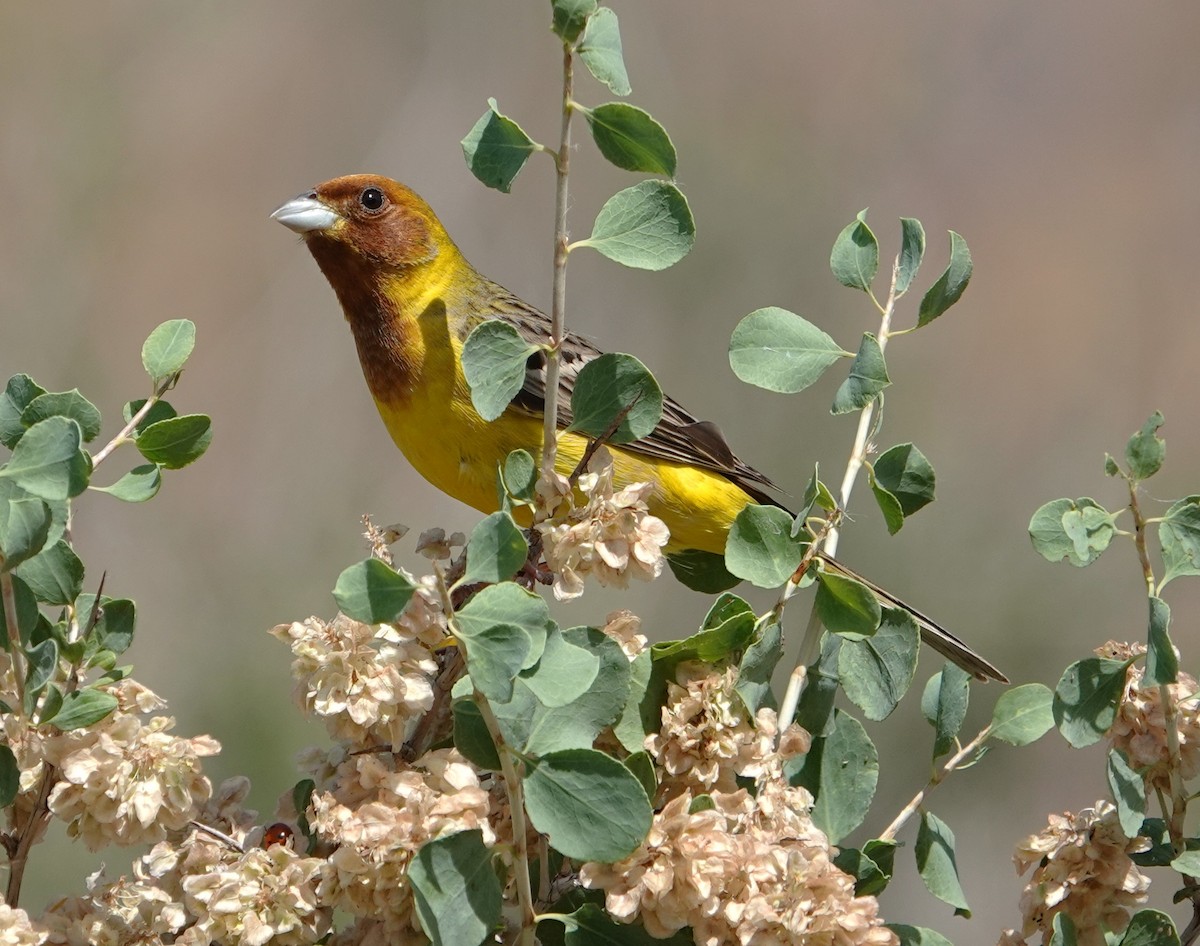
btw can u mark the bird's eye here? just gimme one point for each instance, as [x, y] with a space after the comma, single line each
[372, 198]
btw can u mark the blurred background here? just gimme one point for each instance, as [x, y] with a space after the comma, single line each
[143, 145]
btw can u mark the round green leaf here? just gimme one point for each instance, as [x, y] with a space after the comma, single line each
[138, 485]
[27, 614]
[629, 138]
[855, 256]
[778, 350]
[54, 575]
[701, 571]
[1179, 535]
[455, 889]
[176, 442]
[647, 226]
[590, 805]
[950, 285]
[372, 592]
[159, 410]
[904, 471]
[944, 704]
[69, 404]
[1023, 714]
[847, 606]
[495, 551]
[1086, 698]
[494, 358]
[503, 631]
[570, 17]
[1150, 928]
[616, 386]
[889, 505]
[18, 393]
[760, 547]
[1076, 530]
[496, 148]
[868, 376]
[167, 349]
[1146, 450]
[937, 862]
[24, 525]
[520, 474]
[47, 461]
[877, 671]
[842, 771]
[600, 49]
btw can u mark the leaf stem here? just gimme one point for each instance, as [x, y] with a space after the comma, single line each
[889, 833]
[558, 299]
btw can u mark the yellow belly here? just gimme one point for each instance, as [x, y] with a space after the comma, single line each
[449, 444]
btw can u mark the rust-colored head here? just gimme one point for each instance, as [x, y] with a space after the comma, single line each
[373, 218]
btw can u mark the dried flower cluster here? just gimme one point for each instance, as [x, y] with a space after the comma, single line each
[370, 683]
[1140, 729]
[625, 628]
[15, 928]
[612, 535]
[1084, 871]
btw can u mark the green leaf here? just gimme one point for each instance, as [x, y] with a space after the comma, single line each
[55, 575]
[917, 935]
[1150, 928]
[1128, 791]
[841, 770]
[114, 629]
[1145, 451]
[847, 606]
[18, 392]
[777, 350]
[757, 665]
[855, 256]
[27, 614]
[10, 777]
[907, 474]
[944, 705]
[600, 50]
[889, 505]
[816, 708]
[471, 736]
[24, 525]
[70, 404]
[1187, 862]
[590, 805]
[589, 925]
[610, 386]
[168, 348]
[636, 721]
[494, 360]
[1179, 534]
[1162, 663]
[520, 475]
[138, 485]
[564, 673]
[1076, 530]
[950, 285]
[629, 138]
[84, 708]
[570, 17]
[868, 376]
[496, 550]
[43, 663]
[496, 148]
[869, 880]
[760, 546]
[47, 461]
[1062, 931]
[503, 630]
[1160, 852]
[912, 251]
[642, 766]
[701, 571]
[1023, 714]
[372, 592]
[159, 410]
[1086, 698]
[176, 442]
[647, 226]
[877, 671]
[937, 864]
[455, 889]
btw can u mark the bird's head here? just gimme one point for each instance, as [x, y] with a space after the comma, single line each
[365, 219]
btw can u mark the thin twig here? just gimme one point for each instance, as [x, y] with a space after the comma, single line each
[123, 436]
[39, 815]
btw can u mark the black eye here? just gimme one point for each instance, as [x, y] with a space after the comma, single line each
[372, 198]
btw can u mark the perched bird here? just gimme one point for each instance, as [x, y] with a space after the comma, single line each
[411, 299]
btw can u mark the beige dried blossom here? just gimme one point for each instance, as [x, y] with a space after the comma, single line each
[370, 683]
[126, 911]
[706, 741]
[256, 897]
[739, 873]
[612, 536]
[1140, 727]
[393, 814]
[133, 783]
[1083, 870]
[625, 628]
[16, 928]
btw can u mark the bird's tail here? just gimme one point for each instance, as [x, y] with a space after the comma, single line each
[932, 633]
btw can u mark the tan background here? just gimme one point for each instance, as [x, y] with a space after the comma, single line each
[142, 147]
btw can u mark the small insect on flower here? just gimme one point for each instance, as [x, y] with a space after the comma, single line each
[277, 833]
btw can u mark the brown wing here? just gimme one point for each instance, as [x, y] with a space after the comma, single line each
[680, 437]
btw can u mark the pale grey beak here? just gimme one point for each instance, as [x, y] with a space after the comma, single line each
[305, 214]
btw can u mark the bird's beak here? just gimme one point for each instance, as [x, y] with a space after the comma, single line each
[306, 214]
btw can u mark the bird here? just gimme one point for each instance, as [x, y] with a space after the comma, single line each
[411, 298]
